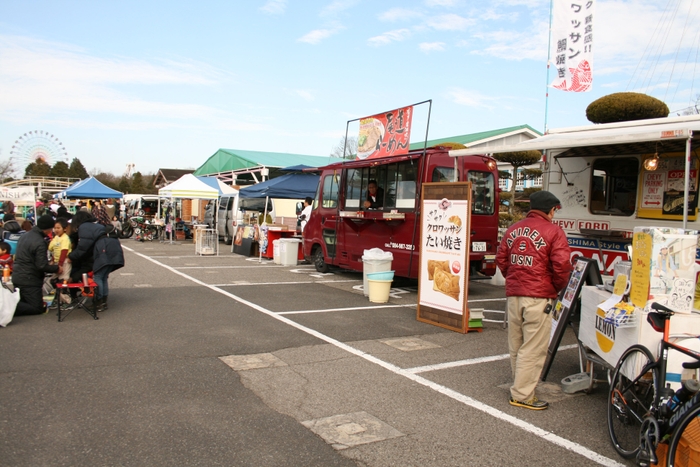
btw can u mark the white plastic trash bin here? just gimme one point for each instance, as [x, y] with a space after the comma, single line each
[276, 252]
[289, 251]
[374, 260]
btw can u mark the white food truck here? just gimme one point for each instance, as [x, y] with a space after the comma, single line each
[613, 177]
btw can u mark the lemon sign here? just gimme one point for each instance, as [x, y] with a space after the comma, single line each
[604, 331]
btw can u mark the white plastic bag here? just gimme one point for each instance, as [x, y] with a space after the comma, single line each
[8, 303]
[377, 254]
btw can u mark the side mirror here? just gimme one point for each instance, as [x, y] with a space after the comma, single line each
[300, 207]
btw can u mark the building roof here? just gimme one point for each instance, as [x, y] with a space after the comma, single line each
[165, 176]
[238, 161]
[481, 137]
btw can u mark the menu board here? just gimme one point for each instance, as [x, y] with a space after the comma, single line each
[661, 191]
[585, 271]
[444, 255]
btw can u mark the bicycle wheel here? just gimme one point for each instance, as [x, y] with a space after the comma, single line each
[684, 448]
[632, 392]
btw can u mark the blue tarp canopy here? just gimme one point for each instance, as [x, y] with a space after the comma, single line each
[89, 188]
[289, 186]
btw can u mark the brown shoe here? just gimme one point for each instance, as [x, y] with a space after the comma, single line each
[532, 404]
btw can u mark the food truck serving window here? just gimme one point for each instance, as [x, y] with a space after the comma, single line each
[483, 201]
[614, 186]
[396, 181]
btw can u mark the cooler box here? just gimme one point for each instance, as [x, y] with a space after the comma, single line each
[276, 252]
[289, 251]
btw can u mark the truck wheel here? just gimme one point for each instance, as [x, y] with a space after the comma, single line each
[319, 262]
[227, 237]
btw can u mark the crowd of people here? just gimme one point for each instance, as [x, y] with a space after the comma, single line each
[61, 247]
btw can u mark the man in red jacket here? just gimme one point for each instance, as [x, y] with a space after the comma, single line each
[534, 257]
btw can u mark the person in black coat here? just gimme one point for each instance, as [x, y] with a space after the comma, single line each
[95, 252]
[31, 265]
[82, 260]
[108, 257]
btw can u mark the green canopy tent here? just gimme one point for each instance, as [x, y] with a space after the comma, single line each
[228, 164]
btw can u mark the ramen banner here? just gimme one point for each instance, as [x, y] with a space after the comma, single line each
[386, 134]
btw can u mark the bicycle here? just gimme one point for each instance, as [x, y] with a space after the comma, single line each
[643, 413]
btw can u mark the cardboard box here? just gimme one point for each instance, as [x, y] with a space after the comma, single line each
[663, 267]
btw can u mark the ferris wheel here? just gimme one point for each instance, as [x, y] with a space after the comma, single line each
[38, 145]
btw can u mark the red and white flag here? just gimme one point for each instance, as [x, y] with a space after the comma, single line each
[572, 44]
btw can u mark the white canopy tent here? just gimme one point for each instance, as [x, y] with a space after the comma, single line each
[188, 187]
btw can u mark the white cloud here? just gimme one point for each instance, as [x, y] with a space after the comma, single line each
[396, 35]
[447, 3]
[274, 7]
[304, 94]
[515, 45]
[450, 22]
[431, 46]
[336, 7]
[399, 14]
[317, 35]
[471, 99]
[80, 83]
[29, 59]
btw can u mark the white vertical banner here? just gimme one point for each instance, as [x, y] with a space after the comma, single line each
[572, 44]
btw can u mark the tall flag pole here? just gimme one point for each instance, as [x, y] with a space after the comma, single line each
[572, 47]
[549, 56]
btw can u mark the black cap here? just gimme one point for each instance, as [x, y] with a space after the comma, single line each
[543, 201]
[46, 222]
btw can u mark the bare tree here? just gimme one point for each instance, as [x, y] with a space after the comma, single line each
[7, 171]
[694, 109]
[519, 159]
[350, 147]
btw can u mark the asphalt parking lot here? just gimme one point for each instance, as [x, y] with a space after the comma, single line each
[226, 360]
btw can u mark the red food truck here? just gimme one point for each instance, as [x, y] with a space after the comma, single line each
[342, 225]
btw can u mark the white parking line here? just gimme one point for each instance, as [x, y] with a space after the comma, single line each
[466, 400]
[301, 312]
[236, 284]
[471, 361]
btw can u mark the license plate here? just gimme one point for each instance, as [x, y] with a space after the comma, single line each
[478, 246]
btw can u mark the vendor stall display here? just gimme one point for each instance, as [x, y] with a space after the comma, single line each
[664, 267]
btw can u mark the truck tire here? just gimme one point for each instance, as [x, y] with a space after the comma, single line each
[319, 262]
[228, 239]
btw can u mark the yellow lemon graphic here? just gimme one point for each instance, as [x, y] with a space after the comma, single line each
[604, 332]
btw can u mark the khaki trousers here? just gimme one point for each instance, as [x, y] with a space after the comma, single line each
[528, 338]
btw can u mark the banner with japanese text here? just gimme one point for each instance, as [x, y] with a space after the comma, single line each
[444, 248]
[572, 44]
[386, 134]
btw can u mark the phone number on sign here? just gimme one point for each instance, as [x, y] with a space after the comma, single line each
[399, 246]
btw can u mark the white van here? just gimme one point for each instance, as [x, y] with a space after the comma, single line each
[230, 213]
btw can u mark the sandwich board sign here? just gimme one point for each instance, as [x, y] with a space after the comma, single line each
[444, 255]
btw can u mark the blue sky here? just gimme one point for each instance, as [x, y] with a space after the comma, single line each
[167, 83]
